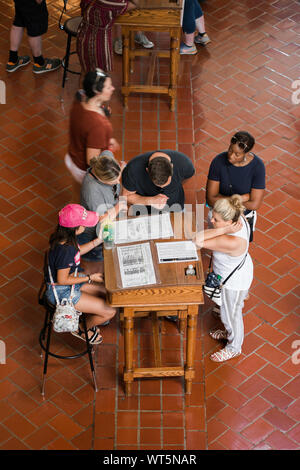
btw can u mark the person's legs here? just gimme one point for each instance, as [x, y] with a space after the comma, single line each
[34, 17]
[188, 27]
[200, 24]
[98, 309]
[232, 317]
[14, 60]
[35, 43]
[16, 36]
[202, 37]
[139, 37]
[94, 289]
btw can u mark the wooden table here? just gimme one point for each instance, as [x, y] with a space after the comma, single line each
[177, 294]
[151, 15]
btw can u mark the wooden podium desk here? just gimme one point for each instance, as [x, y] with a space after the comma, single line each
[151, 15]
[176, 294]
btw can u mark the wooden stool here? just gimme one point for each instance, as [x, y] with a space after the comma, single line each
[185, 313]
[163, 16]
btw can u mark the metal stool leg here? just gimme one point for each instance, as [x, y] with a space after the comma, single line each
[46, 351]
[42, 334]
[66, 60]
[90, 347]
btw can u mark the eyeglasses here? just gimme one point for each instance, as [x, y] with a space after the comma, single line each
[115, 191]
[242, 145]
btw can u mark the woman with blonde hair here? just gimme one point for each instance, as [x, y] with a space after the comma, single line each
[229, 242]
[100, 192]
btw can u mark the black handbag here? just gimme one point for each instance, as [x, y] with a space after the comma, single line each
[213, 283]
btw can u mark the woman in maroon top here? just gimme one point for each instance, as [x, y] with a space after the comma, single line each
[90, 129]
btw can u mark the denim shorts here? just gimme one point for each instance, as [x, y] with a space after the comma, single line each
[64, 292]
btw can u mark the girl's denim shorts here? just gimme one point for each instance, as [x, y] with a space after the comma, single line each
[64, 292]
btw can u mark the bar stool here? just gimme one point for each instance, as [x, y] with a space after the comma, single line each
[70, 27]
[45, 339]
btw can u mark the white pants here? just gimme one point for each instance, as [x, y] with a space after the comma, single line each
[231, 312]
[76, 172]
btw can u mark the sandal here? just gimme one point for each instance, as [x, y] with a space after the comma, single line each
[216, 312]
[224, 355]
[218, 334]
[95, 338]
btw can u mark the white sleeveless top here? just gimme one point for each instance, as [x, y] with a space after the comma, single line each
[223, 264]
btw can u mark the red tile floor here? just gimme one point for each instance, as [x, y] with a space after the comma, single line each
[242, 80]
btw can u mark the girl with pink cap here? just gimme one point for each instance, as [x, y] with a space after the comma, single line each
[64, 260]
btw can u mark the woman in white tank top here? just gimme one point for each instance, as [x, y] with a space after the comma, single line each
[229, 242]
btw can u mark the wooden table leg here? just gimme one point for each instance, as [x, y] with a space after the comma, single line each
[174, 60]
[128, 349]
[189, 372]
[131, 49]
[155, 333]
[182, 321]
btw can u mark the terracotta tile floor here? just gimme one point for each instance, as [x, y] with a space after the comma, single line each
[243, 79]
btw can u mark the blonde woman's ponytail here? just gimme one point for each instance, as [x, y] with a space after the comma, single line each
[230, 208]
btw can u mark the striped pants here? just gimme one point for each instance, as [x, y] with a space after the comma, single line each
[231, 312]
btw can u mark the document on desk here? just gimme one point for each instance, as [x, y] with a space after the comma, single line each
[143, 228]
[176, 252]
[136, 265]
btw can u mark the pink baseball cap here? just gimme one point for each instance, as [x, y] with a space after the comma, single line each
[74, 215]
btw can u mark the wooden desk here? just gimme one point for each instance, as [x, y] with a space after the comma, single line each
[177, 294]
[152, 15]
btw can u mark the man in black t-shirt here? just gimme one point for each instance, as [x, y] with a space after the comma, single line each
[154, 180]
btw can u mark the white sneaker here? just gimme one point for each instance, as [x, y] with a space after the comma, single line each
[118, 46]
[142, 40]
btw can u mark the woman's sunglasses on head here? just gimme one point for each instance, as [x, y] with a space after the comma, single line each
[115, 191]
[242, 145]
[100, 73]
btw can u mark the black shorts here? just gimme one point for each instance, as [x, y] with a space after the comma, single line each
[32, 16]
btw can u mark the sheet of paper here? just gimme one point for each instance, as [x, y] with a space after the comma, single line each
[136, 265]
[176, 252]
[143, 228]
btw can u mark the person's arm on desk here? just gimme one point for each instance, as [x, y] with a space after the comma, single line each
[159, 201]
[64, 278]
[112, 213]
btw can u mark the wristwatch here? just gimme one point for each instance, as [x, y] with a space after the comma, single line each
[90, 280]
